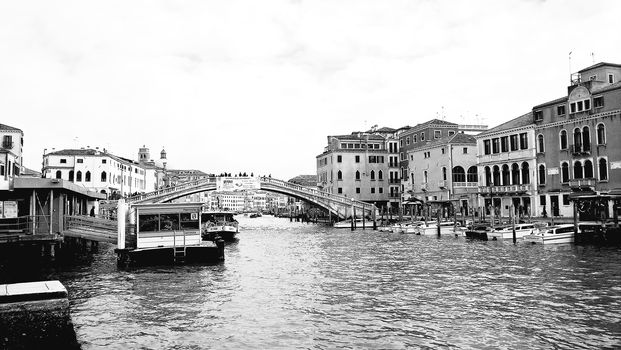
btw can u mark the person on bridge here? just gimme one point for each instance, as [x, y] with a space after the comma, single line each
[93, 211]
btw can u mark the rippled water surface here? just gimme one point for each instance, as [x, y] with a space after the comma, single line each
[292, 285]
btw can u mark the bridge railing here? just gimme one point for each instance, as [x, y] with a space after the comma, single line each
[317, 193]
[90, 222]
[171, 189]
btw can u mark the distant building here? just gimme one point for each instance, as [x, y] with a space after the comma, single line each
[11, 161]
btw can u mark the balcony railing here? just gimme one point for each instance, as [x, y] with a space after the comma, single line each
[465, 184]
[423, 186]
[442, 183]
[394, 181]
[582, 183]
[581, 149]
[505, 189]
[7, 144]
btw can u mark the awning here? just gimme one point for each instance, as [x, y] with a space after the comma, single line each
[585, 195]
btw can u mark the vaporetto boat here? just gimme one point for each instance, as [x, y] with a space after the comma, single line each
[219, 223]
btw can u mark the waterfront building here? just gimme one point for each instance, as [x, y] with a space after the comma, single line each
[100, 171]
[578, 151]
[12, 143]
[506, 161]
[355, 166]
[443, 169]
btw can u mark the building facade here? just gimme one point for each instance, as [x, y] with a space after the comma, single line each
[506, 159]
[578, 151]
[444, 169]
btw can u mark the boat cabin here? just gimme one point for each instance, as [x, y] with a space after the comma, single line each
[168, 224]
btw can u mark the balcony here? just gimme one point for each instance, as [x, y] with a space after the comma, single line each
[423, 187]
[442, 184]
[582, 183]
[465, 184]
[7, 144]
[394, 181]
[505, 189]
[581, 149]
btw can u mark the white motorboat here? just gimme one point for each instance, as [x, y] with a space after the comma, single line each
[219, 223]
[446, 227]
[552, 234]
[358, 224]
[506, 232]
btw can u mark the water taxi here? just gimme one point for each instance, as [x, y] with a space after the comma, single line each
[552, 234]
[218, 223]
[431, 228]
[506, 232]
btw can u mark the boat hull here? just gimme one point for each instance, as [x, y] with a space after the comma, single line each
[550, 239]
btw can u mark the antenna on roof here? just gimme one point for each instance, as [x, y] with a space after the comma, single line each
[593, 57]
[570, 80]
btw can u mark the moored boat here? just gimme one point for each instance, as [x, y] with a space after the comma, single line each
[506, 232]
[478, 231]
[219, 223]
[431, 228]
[347, 224]
[552, 234]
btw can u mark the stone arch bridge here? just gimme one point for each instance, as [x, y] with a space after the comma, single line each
[338, 205]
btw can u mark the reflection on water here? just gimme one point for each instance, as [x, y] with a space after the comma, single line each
[292, 285]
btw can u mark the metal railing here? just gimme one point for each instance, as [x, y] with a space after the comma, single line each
[90, 222]
[27, 224]
[582, 183]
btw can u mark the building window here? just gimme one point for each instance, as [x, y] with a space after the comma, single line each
[357, 159]
[560, 110]
[372, 174]
[80, 161]
[601, 134]
[542, 174]
[407, 141]
[459, 175]
[71, 175]
[542, 200]
[515, 173]
[104, 176]
[339, 175]
[443, 150]
[340, 190]
[444, 173]
[357, 145]
[372, 190]
[598, 102]
[588, 169]
[63, 161]
[577, 139]
[437, 134]
[538, 116]
[78, 176]
[357, 175]
[611, 79]
[472, 174]
[414, 139]
[504, 144]
[563, 139]
[401, 143]
[380, 175]
[465, 150]
[451, 133]
[496, 175]
[59, 174]
[523, 141]
[381, 190]
[488, 176]
[564, 172]
[586, 139]
[425, 177]
[540, 144]
[578, 170]
[513, 142]
[525, 174]
[339, 159]
[603, 169]
[357, 189]
[496, 145]
[486, 147]
[422, 136]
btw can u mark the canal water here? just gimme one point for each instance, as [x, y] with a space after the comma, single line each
[291, 285]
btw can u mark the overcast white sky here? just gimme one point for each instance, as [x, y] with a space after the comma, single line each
[257, 86]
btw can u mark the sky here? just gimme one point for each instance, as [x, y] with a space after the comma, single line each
[257, 86]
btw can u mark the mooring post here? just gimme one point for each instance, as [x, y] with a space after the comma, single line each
[363, 218]
[575, 220]
[438, 228]
[121, 211]
[374, 218]
[512, 214]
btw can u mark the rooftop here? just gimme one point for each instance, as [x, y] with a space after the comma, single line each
[458, 138]
[5, 127]
[523, 120]
[600, 64]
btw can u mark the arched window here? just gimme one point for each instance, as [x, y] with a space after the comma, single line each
[104, 176]
[372, 174]
[588, 169]
[444, 173]
[380, 175]
[59, 174]
[515, 174]
[357, 175]
[540, 144]
[525, 174]
[601, 134]
[586, 139]
[505, 175]
[542, 174]
[472, 174]
[563, 139]
[496, 175]
[71, 175]
[488, 176]
[339, 175]
[87, 176]
[459, 175]
[577, 140]
[78, 176]
[425, 176]
[603, 169]
[578, 170]
[412, 177]
[565, 172]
